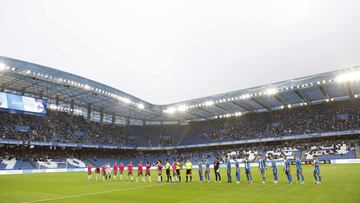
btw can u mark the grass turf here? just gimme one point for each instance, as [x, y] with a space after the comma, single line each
[341, 183]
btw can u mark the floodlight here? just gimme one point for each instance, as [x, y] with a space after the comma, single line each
[182, 108]
[170, 110]
[348, 76]
[271, 91]
[140, 106]
[209, 103]
[237, 113]
[2, 67]
[53, 106]
[126, 100]
[87, 87]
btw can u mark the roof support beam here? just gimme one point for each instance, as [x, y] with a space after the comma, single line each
[261, 104]
[79, 93]
[202, 109]
[350, 91]
[301, 96]
[33, 84]
[196, 115]
[177, 115]
[201, 112]
[4, 74]
[222, 108]
[241, 106]
[324, 92]
[5, 84]
[281, 100]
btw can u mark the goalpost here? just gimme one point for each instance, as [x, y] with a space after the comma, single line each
[52, 165]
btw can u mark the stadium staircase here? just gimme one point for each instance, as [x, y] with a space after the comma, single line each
[357, 151]
[180, 137]
[148, 140]
[141, 141]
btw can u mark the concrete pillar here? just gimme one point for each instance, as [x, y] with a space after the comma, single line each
[88, 113]
[72, 106]
[57, 100]
[101, 117]
[113, 119]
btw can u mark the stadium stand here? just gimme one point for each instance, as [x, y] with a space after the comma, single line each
[22, 157]
[79, 121]
[65, 128]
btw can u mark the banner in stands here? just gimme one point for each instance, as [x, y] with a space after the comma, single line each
[22, 103]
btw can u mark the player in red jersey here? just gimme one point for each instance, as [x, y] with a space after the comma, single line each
[130, 171]
[89, 172]
[174, 171]
[103, 171]
[147, 170]
[159, 169]
[140, 172]
[97, 171]
[115, 170]
[121, 169]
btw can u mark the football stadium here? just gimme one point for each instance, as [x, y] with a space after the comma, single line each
[67, 138]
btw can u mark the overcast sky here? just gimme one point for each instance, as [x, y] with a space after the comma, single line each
[169, 51]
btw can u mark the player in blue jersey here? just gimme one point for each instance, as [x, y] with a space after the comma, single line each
[274, 168]
[237, 170]
[262, 167]
[228, 169]
[207, 171]
[287, 170]
[200, 170]
[299, 171]
[248, 169]
[316, 174]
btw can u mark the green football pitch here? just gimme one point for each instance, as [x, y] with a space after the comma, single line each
[341, 183]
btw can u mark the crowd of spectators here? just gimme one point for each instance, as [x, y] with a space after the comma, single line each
[328, 117]
[67, 128]
[277, 151]
[61, 127]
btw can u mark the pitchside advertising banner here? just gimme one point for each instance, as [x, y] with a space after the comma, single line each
[22, 103]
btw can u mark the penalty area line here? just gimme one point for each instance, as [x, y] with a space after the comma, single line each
[89, 194]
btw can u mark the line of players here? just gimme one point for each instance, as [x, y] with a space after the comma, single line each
[175, 167]
[262, 168]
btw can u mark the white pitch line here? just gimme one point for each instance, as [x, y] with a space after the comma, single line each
[89, 194]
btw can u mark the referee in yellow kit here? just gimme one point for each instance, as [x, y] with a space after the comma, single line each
[167, 168]
[188, 166]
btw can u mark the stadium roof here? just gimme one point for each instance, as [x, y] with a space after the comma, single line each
[55, 85]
